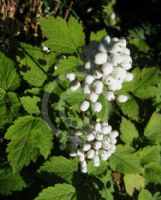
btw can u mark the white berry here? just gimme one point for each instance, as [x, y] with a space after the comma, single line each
[93, 97]
[98, 87]
[84, 106]
[70, 76]
[75, 85]
[100, 58]
[87, 89]
[96, 161]
[122, 98]
[90, 137]
[107, 68]
[90, 154]
[97, 107]
[89, 79]
[110, 95]
[86, 147]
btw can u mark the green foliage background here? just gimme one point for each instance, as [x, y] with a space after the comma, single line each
[32, 164]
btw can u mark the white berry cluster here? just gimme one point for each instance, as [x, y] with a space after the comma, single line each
[99, 145]
[107, 64]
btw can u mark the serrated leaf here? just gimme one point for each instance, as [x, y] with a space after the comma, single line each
[9, 107]
[106, 108]
[73, 98]
[132, 182]
[9, 78]
[143, 84]
[63, 37]
[129, 86]
[68, 65]
[145, 87]
[98, 35]
[146, 92]
[58, 192]
[10, 182]
[130, 109]
[128, 131]
[145, 195]
[147, 154]
[152, 173]
[37, 64]
[61, 166]
[29, 137]
[153, 129]
[140, 44]
[125, 161]
[30, 104]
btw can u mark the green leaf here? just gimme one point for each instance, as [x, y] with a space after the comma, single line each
[125, 161]
[68, 65]
[132, 182]
[108, 188]
[9, 107]
[63, 37]
[32, 91]
[98, 35]
[58, 192]
[145, 87]
[53, 87]
[10, 182]
[130, 109]
[106, 108]
[29, 137]
[30, 104]
[140, 44]
[9, 79]
[147, 154]
[145, 195]
[153, 129]
[129, 86]
[61, 166]
[75, 97]
[146, 93]
[143, 84]
[2, 94]
[37, 64]
[152, 173]
[128, 131]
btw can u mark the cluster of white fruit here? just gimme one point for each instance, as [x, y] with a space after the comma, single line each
[107, 64]
[99, 145]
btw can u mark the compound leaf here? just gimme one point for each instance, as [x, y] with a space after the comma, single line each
[63, 37]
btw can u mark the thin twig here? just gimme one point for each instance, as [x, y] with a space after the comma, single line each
[68, 10]
[55, 10]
